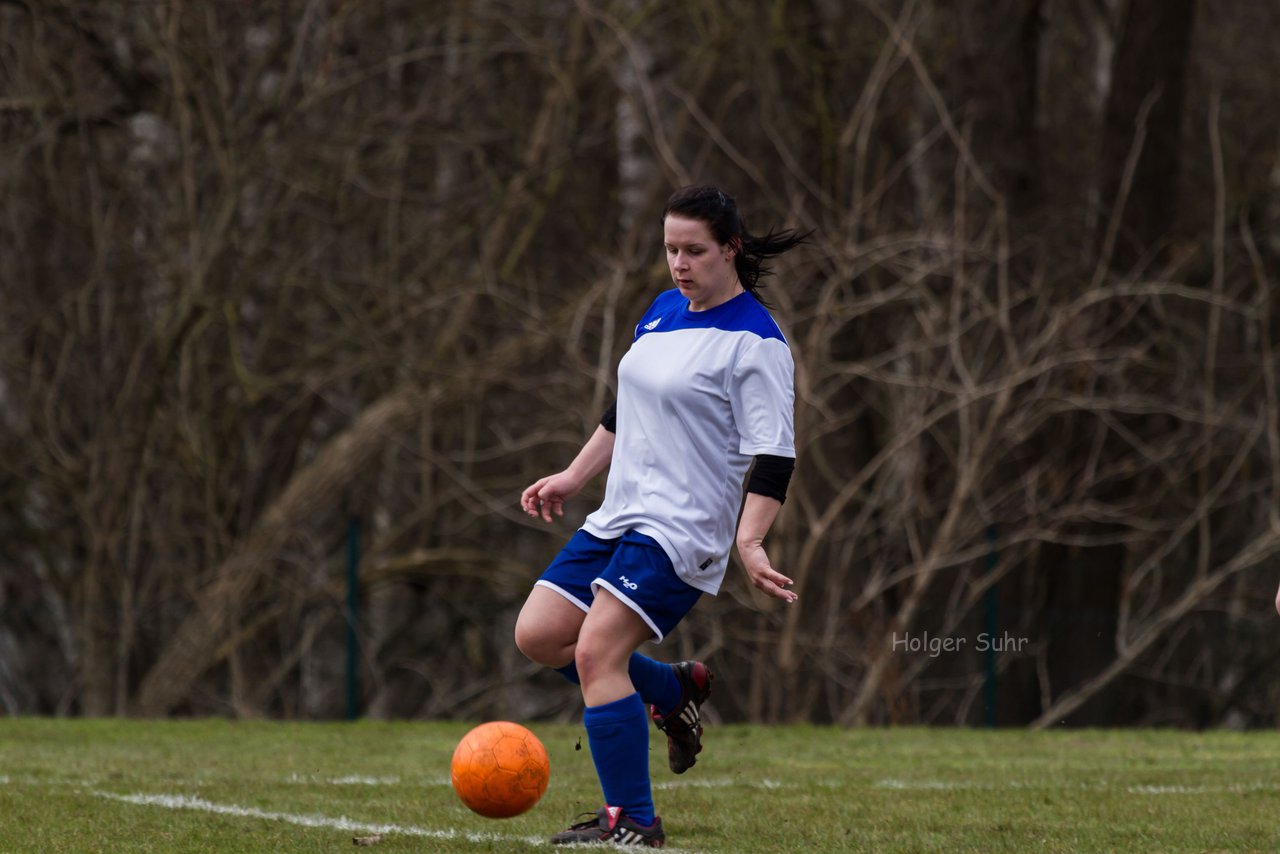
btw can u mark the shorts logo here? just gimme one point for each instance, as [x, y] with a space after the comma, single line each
[630, 585]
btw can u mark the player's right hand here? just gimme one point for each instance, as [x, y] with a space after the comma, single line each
[548, 495]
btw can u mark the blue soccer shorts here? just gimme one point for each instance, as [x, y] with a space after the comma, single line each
[633, 567]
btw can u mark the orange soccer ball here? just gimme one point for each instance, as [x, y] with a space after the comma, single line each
[500, 769]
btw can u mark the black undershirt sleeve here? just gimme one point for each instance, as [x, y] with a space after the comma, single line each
[609, 420]
[770, 476]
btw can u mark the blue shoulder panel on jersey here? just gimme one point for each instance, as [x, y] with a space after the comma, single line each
[667, 304]
[670, 312]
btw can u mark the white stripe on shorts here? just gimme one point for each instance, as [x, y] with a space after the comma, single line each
[565, 593]
[625, 600]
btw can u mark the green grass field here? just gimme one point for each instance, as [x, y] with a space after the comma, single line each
[220, 786]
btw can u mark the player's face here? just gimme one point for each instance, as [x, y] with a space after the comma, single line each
[701, 268]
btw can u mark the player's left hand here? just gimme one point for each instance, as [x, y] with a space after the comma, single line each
[762, 574]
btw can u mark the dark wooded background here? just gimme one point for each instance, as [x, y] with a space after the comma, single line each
[266, 268]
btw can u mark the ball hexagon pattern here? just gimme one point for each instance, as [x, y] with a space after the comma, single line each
[500, 769]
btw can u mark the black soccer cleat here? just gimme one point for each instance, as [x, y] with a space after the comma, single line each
[610, 826]
[683, 724]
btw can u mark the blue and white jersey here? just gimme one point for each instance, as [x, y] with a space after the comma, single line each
[699, 394]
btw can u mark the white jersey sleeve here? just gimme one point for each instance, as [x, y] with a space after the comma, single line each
[763, 399]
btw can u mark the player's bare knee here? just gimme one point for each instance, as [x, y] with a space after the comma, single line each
[540, 646]
[589, 662]
[595, 659]
[532, 643]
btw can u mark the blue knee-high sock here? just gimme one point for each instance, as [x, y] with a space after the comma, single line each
[618, 733]
[656, 682]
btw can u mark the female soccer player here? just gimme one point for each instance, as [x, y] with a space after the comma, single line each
[705, 394]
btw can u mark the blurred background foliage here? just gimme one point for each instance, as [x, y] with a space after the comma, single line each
[266, 268]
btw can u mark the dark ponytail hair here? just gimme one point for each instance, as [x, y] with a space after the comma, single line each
[719, 211]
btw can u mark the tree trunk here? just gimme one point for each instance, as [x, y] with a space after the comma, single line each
[1141, 140]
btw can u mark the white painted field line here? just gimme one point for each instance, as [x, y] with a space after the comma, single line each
[960, 785]
[1233, 789]
[718, 783]
[350, 780]
[980, 785]
[187, 802]
[927, 784]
